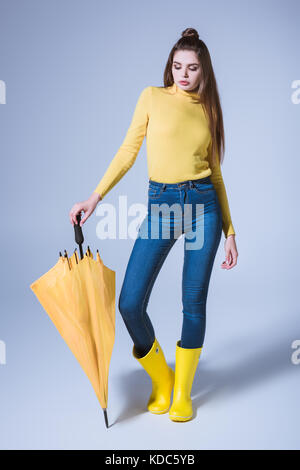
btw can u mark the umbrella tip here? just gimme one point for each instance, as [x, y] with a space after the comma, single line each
[105, 417]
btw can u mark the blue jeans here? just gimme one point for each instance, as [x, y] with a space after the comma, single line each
[190, 208]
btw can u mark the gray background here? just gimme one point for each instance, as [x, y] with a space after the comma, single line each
[73, 72]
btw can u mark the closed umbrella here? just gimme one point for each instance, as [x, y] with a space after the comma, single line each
[78, 294]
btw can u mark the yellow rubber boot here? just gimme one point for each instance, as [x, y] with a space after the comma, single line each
[162, 377]
[185, 368]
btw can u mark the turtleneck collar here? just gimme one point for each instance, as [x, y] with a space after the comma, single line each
[176, 89]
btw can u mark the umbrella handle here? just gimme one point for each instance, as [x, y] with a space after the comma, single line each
[78, 234]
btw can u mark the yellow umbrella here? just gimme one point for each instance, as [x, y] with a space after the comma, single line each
[79, 297]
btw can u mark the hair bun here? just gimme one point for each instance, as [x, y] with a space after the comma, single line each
[190, 32]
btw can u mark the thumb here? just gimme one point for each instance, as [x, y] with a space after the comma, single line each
[86, 215]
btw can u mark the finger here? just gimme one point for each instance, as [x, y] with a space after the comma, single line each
[84, 218]
[229, 259]
[234, 262]
[226, 261]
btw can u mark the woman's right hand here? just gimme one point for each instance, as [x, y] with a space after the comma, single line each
[87, 207]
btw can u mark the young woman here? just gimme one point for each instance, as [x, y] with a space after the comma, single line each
[185, 139]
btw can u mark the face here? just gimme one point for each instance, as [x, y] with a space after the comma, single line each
[186, 68]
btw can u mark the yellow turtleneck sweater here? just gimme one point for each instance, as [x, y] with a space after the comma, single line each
[178, 144]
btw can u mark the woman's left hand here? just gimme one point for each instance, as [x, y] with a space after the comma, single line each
[231, 253]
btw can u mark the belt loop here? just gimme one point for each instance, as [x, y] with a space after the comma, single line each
[164, 187]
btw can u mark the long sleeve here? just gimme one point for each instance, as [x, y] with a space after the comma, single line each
[217, 180]
[127, 153]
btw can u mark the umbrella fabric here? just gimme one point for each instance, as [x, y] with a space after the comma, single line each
[79, 297]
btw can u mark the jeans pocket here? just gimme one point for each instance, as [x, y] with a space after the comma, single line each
[154, 192]
[203, 188]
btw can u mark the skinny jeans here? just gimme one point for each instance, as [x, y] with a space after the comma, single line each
[191, 209]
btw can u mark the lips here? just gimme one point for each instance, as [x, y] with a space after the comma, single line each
[184, 83]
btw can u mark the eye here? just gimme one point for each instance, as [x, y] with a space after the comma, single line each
[193, 69]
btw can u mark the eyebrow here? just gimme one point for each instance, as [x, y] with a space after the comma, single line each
[175, 62]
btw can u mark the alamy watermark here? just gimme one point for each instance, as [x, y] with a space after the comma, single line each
[295, 97]
[2, 352]
[295, 357]
[2, 92]
[172, 220]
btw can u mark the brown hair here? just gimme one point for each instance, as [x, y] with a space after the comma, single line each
[208, 89]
